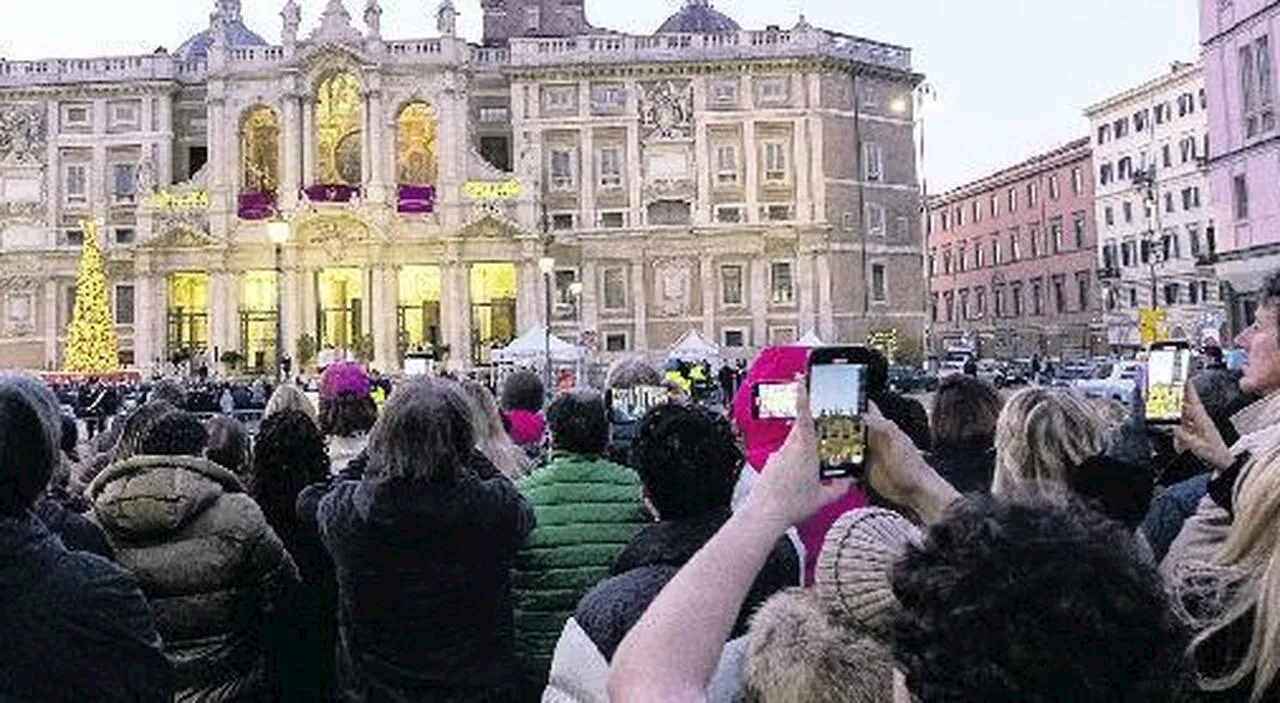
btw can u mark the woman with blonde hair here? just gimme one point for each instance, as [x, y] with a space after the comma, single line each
[1233, 602]
[289, 397]
[1057, 439]
[491, 437]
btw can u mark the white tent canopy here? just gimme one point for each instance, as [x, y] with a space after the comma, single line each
[693, 347]
[811, 340]
[532, 347]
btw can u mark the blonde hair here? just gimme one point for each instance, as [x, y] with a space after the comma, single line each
[1240, 589]
[1042, 436]
[289, 397]
[490, 436]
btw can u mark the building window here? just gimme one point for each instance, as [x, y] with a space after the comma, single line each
[532, 19]
[776, 213]
[670, 213]
[611, 167]
[724, 93]
[1168, 202]
[1015, 291]
[608, 98]
[977, 254]
[775, 162]
[494, 115]
[615, 289]
[1082, 290]
[125, 115]
[77, 184]
[902, 227]
[124, 179]
[76, 118]
[731, 285]
[731, 214]
[1127, 209]
[1015, 246]
[781, 286]
[615, 342]
[933, 307]
[1105, 174]
[977, 211]
[1193, 239]
[1140, 119]
[1034, 234]
[1059, 294]
[774, 91]
[1193, 293]
[124, 305]
[1171, 293]
[1121, 127]
[980, 302]
[962, 259]
[1037, 297]
[735, 339]
[959, 216]
[1256, 87]
[613, 220]
[1104, 134]
[995, 251]
[562, 169]
[562, 221]
[1077, 181]
[1240, 196]
[125, 235]
[875, 220]
[1013, 200]
[1033, 194]
[1109, 215]
[1133, 297]
[1053, 187]
[964, 304]
[73, 238]
[877, 283]
[872, 163]
[949, 305]
[995, 206]
[1077, 228]
[1055, 228]
[560, 98]
[1124, 169]
[727, 164]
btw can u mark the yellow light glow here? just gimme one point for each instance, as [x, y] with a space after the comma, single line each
[419, 284]
[258, 291]
[490, 282]
[260, 149]
[416, 145]
[338, 118]
[492, 190]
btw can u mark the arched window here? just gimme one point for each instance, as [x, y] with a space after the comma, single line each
[260, 149]
[338, 118]
[416, 145]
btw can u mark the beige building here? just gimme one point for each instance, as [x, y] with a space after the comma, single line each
[751, 185]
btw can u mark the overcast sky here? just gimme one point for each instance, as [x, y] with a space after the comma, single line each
[1013, 75]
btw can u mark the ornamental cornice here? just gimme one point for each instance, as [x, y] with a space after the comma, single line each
[814, 64]
[85, 91]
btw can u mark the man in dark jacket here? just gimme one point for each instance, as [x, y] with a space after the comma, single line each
[73, 626]
[907, 413]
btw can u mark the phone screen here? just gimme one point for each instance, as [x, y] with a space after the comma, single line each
[1168, 369]
[777, 401]
[836, 400]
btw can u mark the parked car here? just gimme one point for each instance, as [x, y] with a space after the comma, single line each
[909, 379]
[1068, 372]
[1111, 380]
[950, 368]
[992, 372]
[1018, 372]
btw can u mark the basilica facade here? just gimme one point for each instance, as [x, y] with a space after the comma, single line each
[753, 186]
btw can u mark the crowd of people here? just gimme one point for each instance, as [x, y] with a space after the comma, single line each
[456, 544]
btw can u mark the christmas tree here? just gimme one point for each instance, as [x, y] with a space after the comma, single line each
[91, 342]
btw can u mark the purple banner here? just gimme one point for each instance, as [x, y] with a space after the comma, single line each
[332, 193]
[415, 200]
[256, 206]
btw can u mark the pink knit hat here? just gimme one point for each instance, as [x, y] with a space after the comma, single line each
[345, 377]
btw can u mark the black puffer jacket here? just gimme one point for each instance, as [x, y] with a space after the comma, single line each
[209, 564]
[609, 611]
[424, 585]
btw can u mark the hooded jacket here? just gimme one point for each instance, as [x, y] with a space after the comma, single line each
[424, 584]
[587, 511]
[73, 627]
[764, 437]
[209, 564]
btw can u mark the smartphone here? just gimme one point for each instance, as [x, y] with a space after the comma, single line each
[632, 403]
[775, 401]
[1168, 370]
[838, 399]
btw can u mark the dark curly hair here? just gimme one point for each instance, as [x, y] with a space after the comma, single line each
[523, 390]
[688, 458]
[228, 444]
[579, 423]
[348, 415]
[178, 433]
[289, 456]
[1034, 600]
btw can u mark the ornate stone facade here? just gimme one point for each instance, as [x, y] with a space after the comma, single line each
[752, 185]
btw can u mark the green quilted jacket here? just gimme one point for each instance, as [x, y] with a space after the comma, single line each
[588, 510]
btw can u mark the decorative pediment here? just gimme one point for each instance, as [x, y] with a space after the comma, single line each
[490, 226]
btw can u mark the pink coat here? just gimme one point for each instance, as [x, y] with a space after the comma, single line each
[527, 428]
[764, 437]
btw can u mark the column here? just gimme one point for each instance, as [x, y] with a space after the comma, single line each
[144, 322]
[805, 276]
[710, 297]
[307, 321]
[826, 314]
[290, 317]
[368, 289]
[221, 315]
[160, 321]
[377, 148]
[590, 176]
[449, 302]
[54, 177]
[640, 303]
[461, 316]
[817, 165]
[635, 162]
[800, 144]
[529, 301]
[759, 298]
[51, 324]
[290, 132]
[217, 126]
[308, 141]
[590, 296]
[701, 156]
[384, 318]
[164, 165]
[751, 159]
[366, 143]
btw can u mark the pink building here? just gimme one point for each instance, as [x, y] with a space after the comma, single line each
[1013, 260]
[1238, 40]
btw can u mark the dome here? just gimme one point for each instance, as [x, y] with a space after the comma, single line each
[698, 17]
[197, 47]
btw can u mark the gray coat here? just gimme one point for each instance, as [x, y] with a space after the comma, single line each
[208, 562]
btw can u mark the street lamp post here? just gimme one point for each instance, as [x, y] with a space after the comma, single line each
[278, 235]
[547, 266]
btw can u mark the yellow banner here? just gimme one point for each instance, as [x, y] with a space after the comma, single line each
[492, 190]
[1151, 326]
[164, 200]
